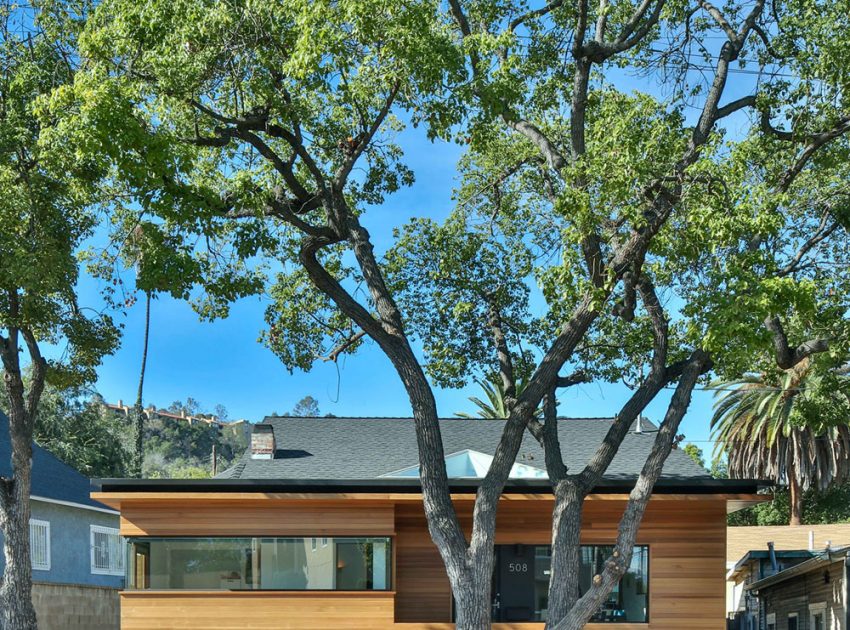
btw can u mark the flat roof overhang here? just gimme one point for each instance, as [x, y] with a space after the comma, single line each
[737, 493]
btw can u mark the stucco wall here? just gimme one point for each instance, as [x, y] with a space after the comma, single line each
[74, 607]
[70, 545]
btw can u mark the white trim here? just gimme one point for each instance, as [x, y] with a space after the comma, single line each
[109, 531]
[72, 504]
[817, 609]
[46, 528]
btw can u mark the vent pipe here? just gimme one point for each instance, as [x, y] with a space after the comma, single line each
[772, 553]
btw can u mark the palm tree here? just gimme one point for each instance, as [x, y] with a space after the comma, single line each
[138, 411]
[794, 431]
[495, 407]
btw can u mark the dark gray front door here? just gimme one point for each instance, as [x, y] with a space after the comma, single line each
[513, 592]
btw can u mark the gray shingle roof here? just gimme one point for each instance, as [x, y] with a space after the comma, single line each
[51, 477]
[367, 448]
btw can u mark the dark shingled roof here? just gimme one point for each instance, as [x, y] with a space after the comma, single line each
[51, 477]
[367, 448]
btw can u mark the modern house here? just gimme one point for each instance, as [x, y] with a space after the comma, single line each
[77, 553]
[811, 595]
[321, 525]
[755, 553]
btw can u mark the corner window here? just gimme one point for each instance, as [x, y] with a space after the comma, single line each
[40, 544]
[286, 564]
[817, 616]
[107, 551]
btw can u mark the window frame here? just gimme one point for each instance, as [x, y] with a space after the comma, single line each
[771, 621]
[795, 616]
[46, 525]
[102, 529]
[818, 609]
[389, 541]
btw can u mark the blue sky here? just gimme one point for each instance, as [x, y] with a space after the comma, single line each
[222, 362]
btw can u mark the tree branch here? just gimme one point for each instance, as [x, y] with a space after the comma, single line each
[333, 355]
[618, 563]
[825, 229]
[503, 353]
[786, 356]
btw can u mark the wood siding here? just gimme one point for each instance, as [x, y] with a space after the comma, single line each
[795, 596]
[686, 550]
[740, 540]
[687, 541]
[231, 610]
[260, 519]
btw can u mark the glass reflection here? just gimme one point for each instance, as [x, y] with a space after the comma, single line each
[259, 563]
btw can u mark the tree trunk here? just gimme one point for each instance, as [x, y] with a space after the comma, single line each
[16, 592]
[796, 497]
[138, 411]
[473, 594]
[566, 551]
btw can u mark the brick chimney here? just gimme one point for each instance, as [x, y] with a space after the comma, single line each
[262, 442]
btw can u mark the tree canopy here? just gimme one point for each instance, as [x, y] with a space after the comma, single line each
[645, 235]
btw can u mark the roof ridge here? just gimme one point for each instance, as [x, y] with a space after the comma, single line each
[450, 418]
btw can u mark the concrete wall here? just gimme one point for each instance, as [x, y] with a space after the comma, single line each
[73, 607]
[70, 545]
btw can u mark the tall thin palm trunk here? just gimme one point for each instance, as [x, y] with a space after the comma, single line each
[796, 497]
[138, 412]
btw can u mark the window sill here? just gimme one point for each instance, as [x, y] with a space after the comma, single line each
[252, 593]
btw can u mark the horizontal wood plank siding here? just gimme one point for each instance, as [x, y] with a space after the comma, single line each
[197, 519]
[255, 611]
[687, 542]
[686, 573]
[740, 540]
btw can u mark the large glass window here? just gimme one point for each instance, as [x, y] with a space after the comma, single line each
[351, 564]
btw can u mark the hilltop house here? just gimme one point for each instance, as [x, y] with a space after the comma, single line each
[321, 525]
[77, 553]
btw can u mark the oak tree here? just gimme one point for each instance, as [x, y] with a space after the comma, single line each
[600, 232]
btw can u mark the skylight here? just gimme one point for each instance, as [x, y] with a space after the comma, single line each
[473, 465]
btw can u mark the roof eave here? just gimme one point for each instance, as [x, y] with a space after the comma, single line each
[412, 485]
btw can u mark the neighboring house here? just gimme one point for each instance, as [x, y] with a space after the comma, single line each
[77, 553]
[811, 595]
[748, 560]
[152, 413]
[321, 525]
[752, 567]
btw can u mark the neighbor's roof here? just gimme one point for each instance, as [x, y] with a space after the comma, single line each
[742, 567]
[740, 540]
[822, 559]
[52, 479]
[370, 448]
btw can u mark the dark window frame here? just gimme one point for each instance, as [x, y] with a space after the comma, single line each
[130, 565]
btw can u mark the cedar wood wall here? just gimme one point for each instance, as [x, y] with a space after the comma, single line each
[687, 541]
